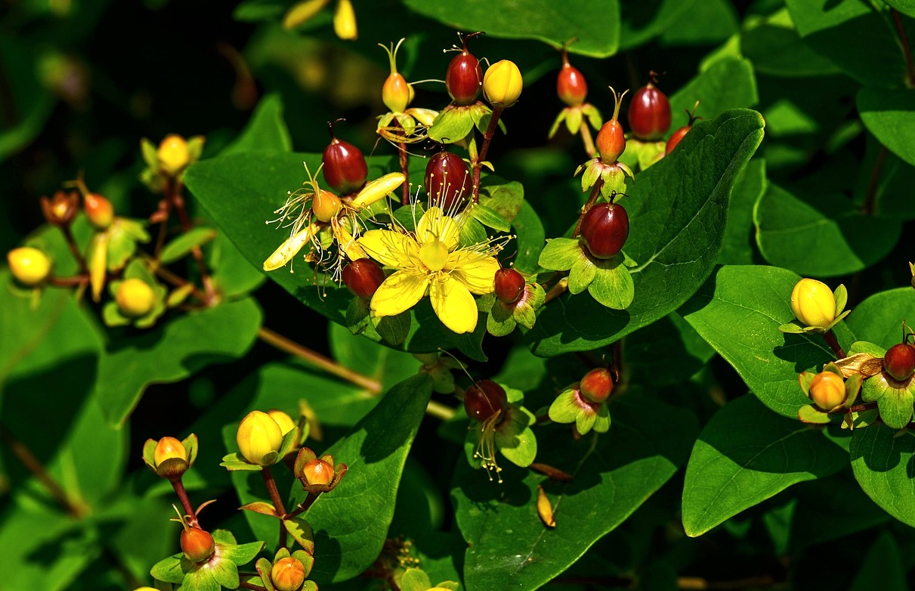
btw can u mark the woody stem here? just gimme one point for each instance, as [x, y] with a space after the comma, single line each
[185, 503]
[277, 502]
[484, 149]
[831, 340]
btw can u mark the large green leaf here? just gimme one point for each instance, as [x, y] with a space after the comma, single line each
[737, 248]
[728, 84]
[266, 131]
[612, 476]
[823, 235]
[775, 48]
[30, 101]
[827, 25]
[642, 21]
[890, 116]
[666, 352]
[171, 351]
[596, 26]
[883, 567]
[677, 214]
[882, 463]
[747, 454]
[738, 311]
[906, 7]
[878, 319]
[370, 359]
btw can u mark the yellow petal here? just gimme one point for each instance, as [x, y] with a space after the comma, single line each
[424, 116]
[346, 243]
[435, 224]
[290, 248]
[377, 189]
[477, 271]
[302, 12]
[98, 263]
[391, 249]
[399, 292]
[453, 304]
[345, 21]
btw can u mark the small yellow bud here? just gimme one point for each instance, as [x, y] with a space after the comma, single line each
[326, 205]
[29, 265]
[288, 574]
[173, 154]
[813, 303]
[318, 471]
[99, 210]
[827, 390]
[259, 438]
[135, 298]
[284, 421]
[168, 448]
[345, 21]
[502, 84]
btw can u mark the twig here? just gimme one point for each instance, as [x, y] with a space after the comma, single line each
[867, 208]
[439, 410]
[910, 67]
[73, 281]
[862, 407]
[484, 149]
[316, 359]
[74, 249]
[177, 281]
[557, 290]
[305, 505]
[595, 192]
[267, 475]
[247, 585]
[834, 343]
[186, 503]
[173, 194]
[587, 140]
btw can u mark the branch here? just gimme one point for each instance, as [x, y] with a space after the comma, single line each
[186, 503]
[481, 157]
[267, 475]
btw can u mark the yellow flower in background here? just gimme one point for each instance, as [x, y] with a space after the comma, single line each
[432, 260]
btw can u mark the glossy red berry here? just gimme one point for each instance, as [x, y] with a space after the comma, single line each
[345, 169]
[677, 135]
[484, 399]
[464, 77]
[597, 385]
[509, 285]
[649, 113]
[605, 229]
[611, 141]
[570, 84]
[899, 362]
[447, 181]
[362, 277]
[197, 544]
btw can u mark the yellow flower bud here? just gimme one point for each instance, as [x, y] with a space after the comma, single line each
[288, 574]
[326, 205]
[502, 84]
[284, 421]
[813, 303]
[29, 265]
[135, 298]
[827, 390]
[168, 448]
[259, 438]
[173, 154]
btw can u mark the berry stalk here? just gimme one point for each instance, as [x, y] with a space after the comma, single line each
[185, 503]
[831, 340]
[277, 500]
[595, 191]
[481, 157]
[587, 140]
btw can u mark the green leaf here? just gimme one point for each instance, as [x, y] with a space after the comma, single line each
[773, 45]
[185, 242]
[882, 464]
[451, 125]
[883, 567]
[666, 352]
[169, 569]
[642, 21]
[530, 241]
[31, 101]
[738, 312]
[506, 198]
[232, 274]
[737, 248]
[747, 454]
[561, 254]
[823, 235]
[827, 25]
[598, 31]
[906, 7]
[890, 116]
[172, 351]
[369, 359]
[225, 573]
[612, 476]
[677, 221]
[729, 84]
[878, 319]
[266, 131]
[489, 217]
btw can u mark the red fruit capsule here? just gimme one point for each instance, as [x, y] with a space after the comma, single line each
[899, 362]
[362, 277]
[649, 112]
[447, 181]
[597, 385]
[345, 169]
[611, 141]
[605, 229]
[484, 399]
[197, 544]
[509, 285]
[676, 136]
[464, 77]
[570, 84]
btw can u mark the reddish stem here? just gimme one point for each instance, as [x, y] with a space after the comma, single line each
[173, 195]
[73, 281]
[405, 170]
[862, 407]
[305, 505]
[277, 502]
[484, 149]
[910, 67]
[595, 192]
[185, 503]
[834, 343]
[74, 249]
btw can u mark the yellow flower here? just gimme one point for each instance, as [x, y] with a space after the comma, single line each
[431, 259]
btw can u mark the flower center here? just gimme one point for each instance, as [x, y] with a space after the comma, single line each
[434, 255]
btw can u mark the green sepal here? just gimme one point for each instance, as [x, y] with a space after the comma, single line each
[515, 439]
[301, 531]
[612, 286]
[593, 115]
[524, 314]
[556, 123]
[581, 274]
[264, 568]
[793, 327]
[602, 423]
[565, 407]
[501, 321]
[261, 507]
[234, 462]
[614, 178]
[482, 123]
[200, 580]
[149, 453]
[452, 125]
[841, 297]
[560, 254]
[289, 440]
[123, 235]
[584, 421]
[647, 153]
[358, 315]
[450, 585]
[309, 586]
[852, 388]
[489, 217]
[895, 407]
[224, 536]
[592, 170]
[307, 560]
[406, 122]
[393, 329]
[191, 445]
[833, 369]
[177, 296]
[573, 120]
[150, 156]
[805, 379]
[415, 579]
[281, 554]
[241, 553]
[169, 569]
[225, 572]
[812, 415]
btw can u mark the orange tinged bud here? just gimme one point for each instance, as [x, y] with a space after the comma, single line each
[99, 210]
[288, 574]
[28, 265]
[827, 390]
[396, 93]
[168, 448]
[135, 298]
[197, 544]
[318, 471]
[326, 205]
[173, 154]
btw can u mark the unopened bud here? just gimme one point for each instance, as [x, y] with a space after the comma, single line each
[813, 303]
[259, 438]
[168, 448]
[135, 298]
[28, 265]
[827, 390]
[318, 471]
[173, 154]
[197, 544]
[288, 574]
[98, 210]
[502, 84]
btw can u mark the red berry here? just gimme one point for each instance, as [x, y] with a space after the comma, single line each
[649, 113]
[362, 277]
[571, 85]
[675, 138]
[484, 399]
[605, 229]
[447, 180]
[464, 77]
[899, 362]
[344, 169]
[597, 385]
[509, 285]
[197, 544]
[611, 142]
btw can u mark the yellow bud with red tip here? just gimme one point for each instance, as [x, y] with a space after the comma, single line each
[259, 438]
[318, 471]
[168, 448]
[502, 84]
[28, 265]
[98, 210]
[197, 544]
[813, 303]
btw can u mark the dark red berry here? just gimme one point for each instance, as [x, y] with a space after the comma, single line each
[605, 229]
[509, 285]
[484, 399]
[649, 113]
[464, 77]
[447, 180]
[197, 544]
[899, 362]
[597, 385]
[362, 277]
[675, 138]
[344, 169]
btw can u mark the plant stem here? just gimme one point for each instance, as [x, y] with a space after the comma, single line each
[616, 369]
[587, 140]
[34, 465]
[316, 359]
[185, 503]
[595, 192]
[68, 281]
[481, 158]
[173, 194]
[557, 290]
[834, 343]
[867, 208]
[405, 170]
[439, 410]
[862, 407]
[178, 281]
[74, 249]
[305, 505]
[277, 502]
[907, 52]
[247, 585]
